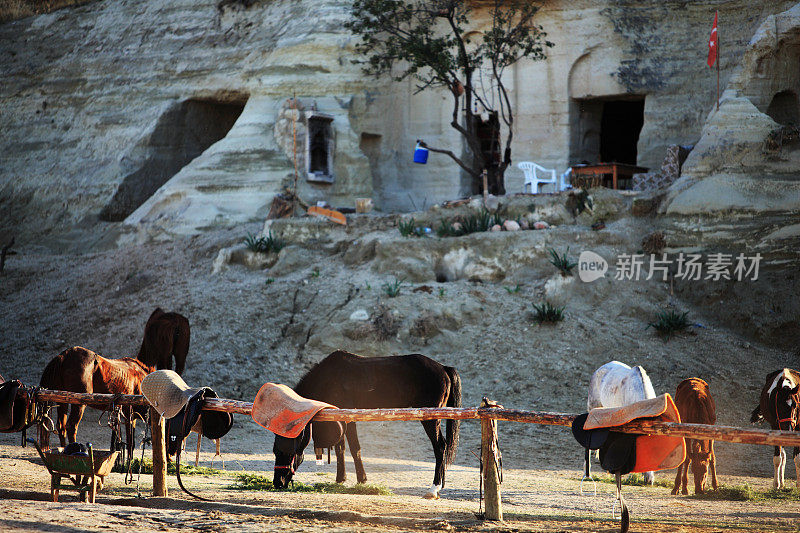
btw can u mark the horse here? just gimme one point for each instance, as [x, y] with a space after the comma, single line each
[351, 381]
[165, 335]
[779, 405]
[616, 384]
[696, 406]
[77, 369]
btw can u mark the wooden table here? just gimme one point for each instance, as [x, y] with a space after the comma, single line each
[616, 170]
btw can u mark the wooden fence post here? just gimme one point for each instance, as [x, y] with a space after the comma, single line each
[491, 460]
[159, 454]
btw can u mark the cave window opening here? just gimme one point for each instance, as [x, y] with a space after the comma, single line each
[320, 146]
[605, 130]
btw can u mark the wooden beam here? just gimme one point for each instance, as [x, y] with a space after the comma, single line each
[491, 474]
[695, 431]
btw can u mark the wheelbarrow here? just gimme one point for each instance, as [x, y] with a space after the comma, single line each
[86, 473]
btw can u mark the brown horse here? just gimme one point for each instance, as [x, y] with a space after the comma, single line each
[696, 406]
[165, 335]
[77, 369]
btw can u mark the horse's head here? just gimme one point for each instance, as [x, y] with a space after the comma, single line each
[700, 455]
[785, 402]
[289, 456]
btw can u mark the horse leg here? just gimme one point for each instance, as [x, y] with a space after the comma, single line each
[341, 473]
[197, 453]
[355, 452]
[61, 424]
[75, 415]
[779, 462]
[713, 467]
[433, 430]
[797, 466]
[678, 476]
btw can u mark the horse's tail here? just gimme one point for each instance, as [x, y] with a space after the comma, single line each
[453, 426]
[756, 416]
[51, 372]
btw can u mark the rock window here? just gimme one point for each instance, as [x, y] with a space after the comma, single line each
[319, 148]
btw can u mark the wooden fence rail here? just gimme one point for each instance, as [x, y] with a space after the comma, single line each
[485, 414]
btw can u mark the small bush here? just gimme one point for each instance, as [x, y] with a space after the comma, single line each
[636, 480]
[409, 228]
[393, 289]
[562, 262]
[509, 290]
[186, 469]
[747, 493]
[546, 312]
[472, 223]
[259, 482]
[262, 244]
[668, 323]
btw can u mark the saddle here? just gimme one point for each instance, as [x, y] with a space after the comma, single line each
[623, 453]
[17, 407]
[182, 406]
[284, 412]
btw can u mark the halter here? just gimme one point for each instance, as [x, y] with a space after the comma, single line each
[290, 467]
[791, 419]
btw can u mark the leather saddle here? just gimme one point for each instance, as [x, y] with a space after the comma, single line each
[182, 406]
[17, 407]
[623, 453]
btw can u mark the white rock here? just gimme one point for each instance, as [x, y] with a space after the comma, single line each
[541, 225]
[511, 225]
[496, 227]
[360, 315]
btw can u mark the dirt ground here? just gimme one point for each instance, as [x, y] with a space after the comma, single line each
[271, 324]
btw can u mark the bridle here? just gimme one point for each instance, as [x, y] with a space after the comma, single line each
[290, 467]
[791, 419]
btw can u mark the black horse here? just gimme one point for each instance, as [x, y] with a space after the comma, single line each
[351, 381]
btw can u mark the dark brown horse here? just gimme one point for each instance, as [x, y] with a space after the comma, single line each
[165, 335]
[780, 407]
[77, 369]
[351, 381]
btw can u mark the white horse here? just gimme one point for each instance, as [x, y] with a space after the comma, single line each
[616, 384]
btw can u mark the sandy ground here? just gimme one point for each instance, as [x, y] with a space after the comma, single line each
[252, 326]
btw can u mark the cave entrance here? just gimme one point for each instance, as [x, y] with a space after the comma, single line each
[785, 109]
[182, 133]
[605, 130]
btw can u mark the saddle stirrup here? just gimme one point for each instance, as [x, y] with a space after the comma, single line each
[587, 474]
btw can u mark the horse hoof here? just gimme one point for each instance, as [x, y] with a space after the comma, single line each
[431, 495]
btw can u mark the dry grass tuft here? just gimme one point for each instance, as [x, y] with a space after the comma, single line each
[20, 9]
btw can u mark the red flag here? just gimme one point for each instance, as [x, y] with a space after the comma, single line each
[713, 44]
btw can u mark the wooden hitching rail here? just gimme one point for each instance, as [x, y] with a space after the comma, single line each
[695, 431]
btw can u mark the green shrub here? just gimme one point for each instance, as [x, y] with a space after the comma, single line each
[262, 244]
[186, 469]
[259, 482]
[562, 262]
[668, 323]
[392, 289]
[546, 312]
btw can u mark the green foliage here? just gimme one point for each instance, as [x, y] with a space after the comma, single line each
[483, 220]
[442, 292]
[408, 228]
[562, 262]
[429, 43]
[747, 493]
[186, 469]
[259, 482]
[315, 272]
[636, 480]
[263, 244]
[545, 312]
[515, 290]
[670, 322]
[392, 289]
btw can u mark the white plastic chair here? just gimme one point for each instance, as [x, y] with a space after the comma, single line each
[532, 179]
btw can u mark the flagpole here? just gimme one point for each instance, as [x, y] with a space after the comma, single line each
[719, 58]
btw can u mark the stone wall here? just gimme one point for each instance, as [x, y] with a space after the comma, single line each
[87, 91]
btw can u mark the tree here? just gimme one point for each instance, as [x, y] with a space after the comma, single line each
[427, 41]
